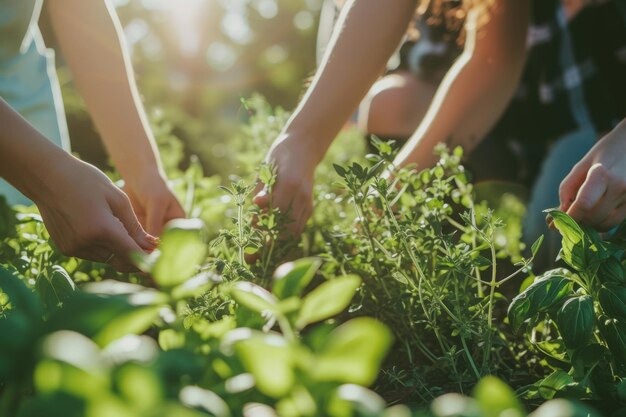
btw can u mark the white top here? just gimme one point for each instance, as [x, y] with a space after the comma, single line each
[28, 79]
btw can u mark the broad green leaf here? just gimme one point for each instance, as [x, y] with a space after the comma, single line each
[614, 333]
[580, 248]
[587, 357]
[327, 300]
[196, 286]
[180, 253]
[576, 320]
[206, 400]
[22, 299]
[74, 349]
[550, 385]
[544, 293]
[268, 357]
[254, 297]
[519, 311]
[495, 398]
[353, 352]
[171, 339]
[291, 279]
[361, 399]
[104, 318]
[553, 348]
[612, 270]
[139, 386]
[612, 298]
[54, 288]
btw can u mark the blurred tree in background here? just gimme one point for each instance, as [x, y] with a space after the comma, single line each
[196, 60]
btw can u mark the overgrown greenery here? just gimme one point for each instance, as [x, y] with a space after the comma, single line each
[401, 283]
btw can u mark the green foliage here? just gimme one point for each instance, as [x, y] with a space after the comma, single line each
[576, 317]
[242, 322]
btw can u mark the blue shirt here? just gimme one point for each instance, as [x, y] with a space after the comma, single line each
[28, 79]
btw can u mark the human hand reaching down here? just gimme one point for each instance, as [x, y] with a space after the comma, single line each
[154, 203]
[87, 216]
[594, 192]
[292, 192]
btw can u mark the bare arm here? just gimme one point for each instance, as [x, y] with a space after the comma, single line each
[91, 38]
[476, 90]
[86, 215]
[370, 30]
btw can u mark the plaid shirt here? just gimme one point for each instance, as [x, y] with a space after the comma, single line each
[575, 74]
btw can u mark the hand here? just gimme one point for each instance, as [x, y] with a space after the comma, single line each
[594, 192]
[154, 203]
[292, 193]
[87, 216]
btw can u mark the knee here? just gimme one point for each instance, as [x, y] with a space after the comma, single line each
[395, 106]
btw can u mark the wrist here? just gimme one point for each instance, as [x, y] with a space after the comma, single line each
[144, 177]
[309, 144]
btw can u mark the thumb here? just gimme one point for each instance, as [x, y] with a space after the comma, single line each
[262, 197]
[122, 245]
[589, 194]
[123, 210]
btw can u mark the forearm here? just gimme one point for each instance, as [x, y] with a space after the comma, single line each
[25, 155]
[370, 32]
[476, 90]
[91, 38]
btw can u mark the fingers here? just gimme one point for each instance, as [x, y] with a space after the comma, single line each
[122, 246]
[571, 184]
[123, 210]
[161, 210]
[155, 218]
[588, 196]
[613, 219]
[107, 242]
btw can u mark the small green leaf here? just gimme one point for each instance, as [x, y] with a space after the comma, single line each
[576, 320]
[536, 246]
[291, 279]
[327, 300]
[340, 170]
